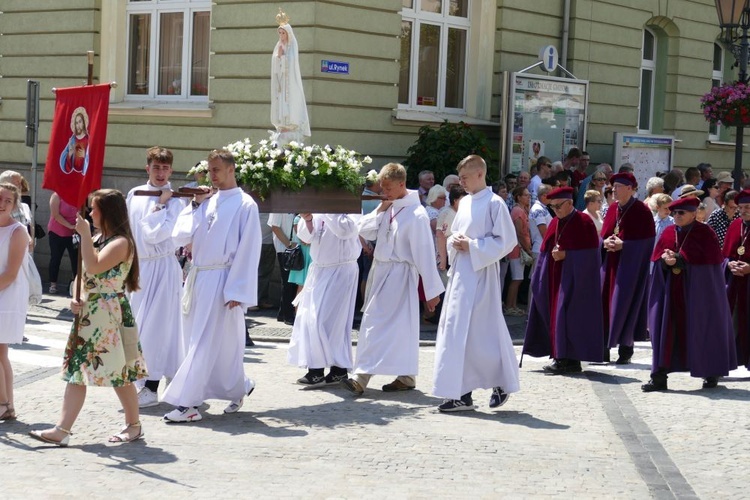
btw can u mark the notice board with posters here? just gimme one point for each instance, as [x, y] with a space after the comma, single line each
[546, 116]
[649, 154]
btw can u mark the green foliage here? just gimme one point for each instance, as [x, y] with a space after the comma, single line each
[440, 149]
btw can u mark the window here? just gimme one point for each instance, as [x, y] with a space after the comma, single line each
[717, 78]
[434, 43]
[168, 49]
[648, 73]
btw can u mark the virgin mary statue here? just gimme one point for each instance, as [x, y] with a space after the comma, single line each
[288, 106]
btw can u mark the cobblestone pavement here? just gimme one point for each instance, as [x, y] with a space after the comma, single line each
[593, 435]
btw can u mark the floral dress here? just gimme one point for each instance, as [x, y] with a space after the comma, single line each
[96, 355]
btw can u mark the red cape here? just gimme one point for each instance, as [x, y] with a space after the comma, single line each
[732, 242]
[637, 222]
[575, 233]
[701, 246]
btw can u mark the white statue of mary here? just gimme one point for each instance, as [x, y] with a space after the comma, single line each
[288, 106]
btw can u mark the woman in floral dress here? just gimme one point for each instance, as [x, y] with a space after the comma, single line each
[96, 355]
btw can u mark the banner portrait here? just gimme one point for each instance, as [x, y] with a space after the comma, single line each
[75, 157]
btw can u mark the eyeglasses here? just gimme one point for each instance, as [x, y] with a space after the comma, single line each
[679, 212]
[600, 178]
[557, 206]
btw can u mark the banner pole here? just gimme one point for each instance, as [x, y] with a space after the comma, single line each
[82, 209]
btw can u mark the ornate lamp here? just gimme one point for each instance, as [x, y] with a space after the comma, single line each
[734, 21]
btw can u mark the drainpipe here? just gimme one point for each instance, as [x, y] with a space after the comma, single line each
[565, 35]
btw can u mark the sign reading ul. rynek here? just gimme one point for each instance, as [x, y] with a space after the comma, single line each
[339, 67]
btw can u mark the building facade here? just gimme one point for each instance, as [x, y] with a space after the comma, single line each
[194, 75]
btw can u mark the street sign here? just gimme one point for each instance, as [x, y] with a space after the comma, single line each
[549, 58]
[341, 68]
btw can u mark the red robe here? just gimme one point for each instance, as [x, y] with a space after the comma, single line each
[738, 289]
[625, 273]
[688, 311]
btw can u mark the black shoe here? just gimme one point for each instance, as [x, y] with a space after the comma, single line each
[710, 382]
[336, 378]
[557, 367]
[312, 380]
[249, 342]
[498, 398]
[654, 385]
[606, 358]
[625, 354]
[453, 405]
[289, 322]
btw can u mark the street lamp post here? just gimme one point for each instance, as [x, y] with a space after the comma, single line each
[734, 21]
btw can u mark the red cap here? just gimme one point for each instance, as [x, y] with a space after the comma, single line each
[624, 178]
[689, 204]
[561, 193]
[743, 197]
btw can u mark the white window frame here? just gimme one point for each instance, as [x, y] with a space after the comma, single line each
[417, 17]
[156, 8]
[717, 79]
[647, 64]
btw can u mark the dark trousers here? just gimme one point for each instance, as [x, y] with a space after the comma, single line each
[57, 246]
[288, 293]
[265, 270]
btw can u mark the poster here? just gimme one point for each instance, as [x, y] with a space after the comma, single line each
[548, 119]
[649, 154]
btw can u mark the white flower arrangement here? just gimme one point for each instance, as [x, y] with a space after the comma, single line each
[265, 166]
[200, 168]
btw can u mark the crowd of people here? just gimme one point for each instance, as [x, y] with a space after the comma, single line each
[442, 253]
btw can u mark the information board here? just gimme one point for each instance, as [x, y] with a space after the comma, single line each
[546, 117]
[649, 154]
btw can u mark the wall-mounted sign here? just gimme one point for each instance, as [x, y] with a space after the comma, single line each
[548, 56]
[341, 68]
[546, 116]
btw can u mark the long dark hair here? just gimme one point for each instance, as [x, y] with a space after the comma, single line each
[115, 222]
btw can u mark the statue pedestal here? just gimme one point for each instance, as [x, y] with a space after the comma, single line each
[309, 200]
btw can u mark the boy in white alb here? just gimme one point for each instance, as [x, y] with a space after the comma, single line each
[388, 341]
[156, 306]
[321, 336]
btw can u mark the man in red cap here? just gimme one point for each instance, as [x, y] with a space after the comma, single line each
[737, 250]
[687, 280]
[569, 257]
[628, 239]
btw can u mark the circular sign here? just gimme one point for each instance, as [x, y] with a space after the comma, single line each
[549, 58]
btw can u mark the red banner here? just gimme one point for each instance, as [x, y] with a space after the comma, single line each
[76, 146]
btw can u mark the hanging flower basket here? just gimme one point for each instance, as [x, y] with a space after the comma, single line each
[299, 178]
[728, 105]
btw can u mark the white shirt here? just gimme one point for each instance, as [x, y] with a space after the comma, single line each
[538, 215]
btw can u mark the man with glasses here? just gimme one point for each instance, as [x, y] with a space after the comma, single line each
[737, 250]
[579, 173]
[569, 256]
[543, 165]
[628, 239]
[687, 280]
